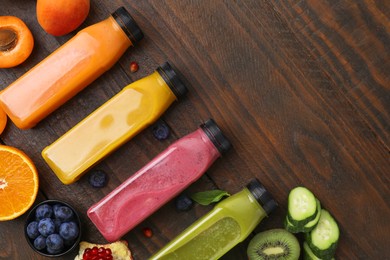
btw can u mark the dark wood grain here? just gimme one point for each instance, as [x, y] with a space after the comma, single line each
[301, 88]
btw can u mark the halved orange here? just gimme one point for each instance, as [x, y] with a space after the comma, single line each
[18, 182]
[3, 120]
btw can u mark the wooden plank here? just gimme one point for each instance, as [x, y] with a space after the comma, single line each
[300, 88]
[350, 41]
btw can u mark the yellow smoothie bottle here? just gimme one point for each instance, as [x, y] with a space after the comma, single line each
[228, 224]
[126, 114]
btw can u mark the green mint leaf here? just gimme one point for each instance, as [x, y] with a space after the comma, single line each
[208, 197]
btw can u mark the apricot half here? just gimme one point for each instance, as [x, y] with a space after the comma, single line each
[60, 17]
[16, 41]
[3, 120]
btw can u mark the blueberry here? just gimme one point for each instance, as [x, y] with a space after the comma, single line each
[53, 251]
[183, 202]
[54, 243]
[55, 207]
[32, 230]
[63, 213]
[161, 130]
[98, 178]
[69, 230]
[43, 211]
[46, 227]
[40, 242]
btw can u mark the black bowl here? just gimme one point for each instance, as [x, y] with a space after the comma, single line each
[67, 248]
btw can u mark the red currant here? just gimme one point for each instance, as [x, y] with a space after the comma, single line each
[147, 232]
[134, 66]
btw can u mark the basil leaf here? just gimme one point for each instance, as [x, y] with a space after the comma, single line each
[208, 197]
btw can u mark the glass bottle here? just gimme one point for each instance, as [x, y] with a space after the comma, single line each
[228, 224]
[162, 179]
[118, 120]
[69, 69]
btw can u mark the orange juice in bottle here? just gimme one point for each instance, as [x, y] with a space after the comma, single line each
[69, 69]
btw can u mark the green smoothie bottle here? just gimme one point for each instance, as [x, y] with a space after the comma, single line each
[228, 224]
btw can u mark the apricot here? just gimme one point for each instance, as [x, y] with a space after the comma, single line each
[16, 41]
[60, 17]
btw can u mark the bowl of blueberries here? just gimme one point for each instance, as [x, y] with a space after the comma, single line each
[53, 228]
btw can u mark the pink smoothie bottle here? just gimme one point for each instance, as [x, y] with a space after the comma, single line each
[162, 179]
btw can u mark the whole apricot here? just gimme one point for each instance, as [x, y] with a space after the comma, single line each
[60, 17]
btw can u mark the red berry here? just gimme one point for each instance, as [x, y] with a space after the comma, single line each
[134, 66]
[147, 232]
[108, 251]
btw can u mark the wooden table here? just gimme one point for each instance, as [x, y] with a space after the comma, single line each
[301, 88]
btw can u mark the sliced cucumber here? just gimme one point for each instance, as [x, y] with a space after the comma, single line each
[308, 254]
[311, 225]
[303, 228]
[302, 206]
[290, 227]
[323, 239]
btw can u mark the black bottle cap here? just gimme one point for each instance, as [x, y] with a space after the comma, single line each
[172, 79]
[128, 25]
[216, 136]
[264, 198]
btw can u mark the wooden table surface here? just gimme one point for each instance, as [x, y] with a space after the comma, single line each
[301, 88]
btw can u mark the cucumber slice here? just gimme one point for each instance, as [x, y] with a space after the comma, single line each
[323, 239]
[290, 227]
[302, 206]
[311, 225]
[308, 254]
[303, 228]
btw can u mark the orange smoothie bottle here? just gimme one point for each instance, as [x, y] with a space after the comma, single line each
[69, 69]
[115, 122]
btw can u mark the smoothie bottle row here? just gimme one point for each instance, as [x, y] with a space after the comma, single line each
[76, 64]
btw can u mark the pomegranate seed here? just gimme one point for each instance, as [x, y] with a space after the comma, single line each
[96, 253]
[147, 232]
[94, 250]
[134, 66]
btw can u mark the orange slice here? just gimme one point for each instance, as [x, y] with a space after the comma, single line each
[18, 182]
[3, 120]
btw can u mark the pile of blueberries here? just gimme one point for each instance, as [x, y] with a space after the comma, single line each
[54, 229]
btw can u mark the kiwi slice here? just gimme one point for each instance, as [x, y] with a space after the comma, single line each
[276, 244]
